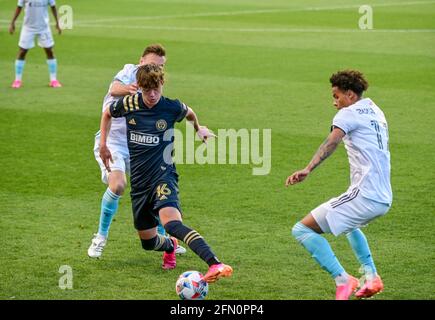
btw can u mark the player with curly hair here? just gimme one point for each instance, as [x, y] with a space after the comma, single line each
[150, 119]
[362, 126]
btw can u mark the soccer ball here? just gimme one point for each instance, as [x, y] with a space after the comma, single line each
[190, 286]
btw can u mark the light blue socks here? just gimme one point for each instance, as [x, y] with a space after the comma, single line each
[52, 68]
[320, 250]
[109, 206]
[358, 242]
[19, 66]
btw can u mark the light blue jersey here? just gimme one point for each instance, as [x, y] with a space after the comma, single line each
[36, 13]
[366, 142]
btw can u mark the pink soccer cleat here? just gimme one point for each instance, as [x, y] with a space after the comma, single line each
[169, 259]
[345, 291]
[217, 271]
[55, 84]
[370, 288]
[16, 84]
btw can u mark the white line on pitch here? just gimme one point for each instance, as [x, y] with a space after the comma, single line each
[248, 12]
[258, 30]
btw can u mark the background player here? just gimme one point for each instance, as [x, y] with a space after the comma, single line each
[363, 128]
[36, 24]
[150, 120]
[124, 83]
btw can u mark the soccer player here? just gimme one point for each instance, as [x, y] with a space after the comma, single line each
[35, 24]
[124, 83]
[362, 126]
[150, 121]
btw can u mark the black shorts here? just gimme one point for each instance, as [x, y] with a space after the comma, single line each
[147, 203]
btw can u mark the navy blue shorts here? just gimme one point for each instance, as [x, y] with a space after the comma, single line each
[147, 203]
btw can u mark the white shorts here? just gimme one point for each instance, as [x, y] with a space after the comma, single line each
[120, 156]
[27, 38]
[347, 212]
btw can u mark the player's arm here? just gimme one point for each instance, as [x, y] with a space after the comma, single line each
[203, 132]
[325, 150]
[14, 18]
[54, 11]
[106, 121]
[117, 88]
[115, 109]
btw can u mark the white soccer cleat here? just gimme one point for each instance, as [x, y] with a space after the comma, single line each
[96, 248]
[180, 250]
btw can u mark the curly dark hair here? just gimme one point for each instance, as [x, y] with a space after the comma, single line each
[349, 80]
[150, 76]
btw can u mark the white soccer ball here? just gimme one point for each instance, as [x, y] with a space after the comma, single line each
[190, 286]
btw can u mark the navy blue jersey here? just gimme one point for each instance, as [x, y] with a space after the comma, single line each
[149, 142]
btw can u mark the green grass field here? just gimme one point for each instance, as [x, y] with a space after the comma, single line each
[239, 64]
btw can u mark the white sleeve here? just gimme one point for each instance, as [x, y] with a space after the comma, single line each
[108, 99]
[20, 3]
[345, 120]
[52, 3]
[126, 74]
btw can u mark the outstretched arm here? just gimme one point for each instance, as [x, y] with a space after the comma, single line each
[325, 150]
[14, 18]
[203, 132]
[106, 121]
[54, 10]
[191, 116]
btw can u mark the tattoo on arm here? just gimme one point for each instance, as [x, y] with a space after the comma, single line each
[325, 150]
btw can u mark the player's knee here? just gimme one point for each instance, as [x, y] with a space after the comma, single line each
[148, 244]
[119, 189]
[49, 53]
[118, 186]
[22, 54]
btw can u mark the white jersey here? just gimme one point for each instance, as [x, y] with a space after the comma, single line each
[366, 142]
[36, 13]
[118, 130]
